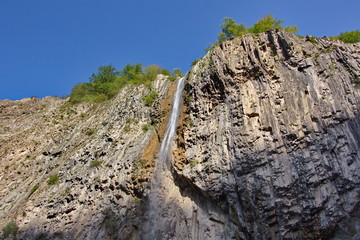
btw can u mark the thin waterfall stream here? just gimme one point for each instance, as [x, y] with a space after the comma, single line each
[174, 213]
[162, 178]
[170, 132]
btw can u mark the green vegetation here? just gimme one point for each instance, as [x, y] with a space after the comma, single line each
[178, 73]
[188, 99]
[269, 22]
[95, 163]
[232, 29]
[132, 120]
[349, 37]
[194, 162]
[53, 179]
[312, 39]
[127, 128]
[108, 81]
[145, 127]
[10, 229]
[193, 63]
[90, 132]
[150, 98]
[34, 189]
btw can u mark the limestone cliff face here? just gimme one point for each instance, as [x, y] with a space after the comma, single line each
[271, 134]
[101, 154]
[267, 147]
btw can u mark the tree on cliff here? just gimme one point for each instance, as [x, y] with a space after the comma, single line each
[107, 82]
[232, 29]
[105, 74]
[265, 24]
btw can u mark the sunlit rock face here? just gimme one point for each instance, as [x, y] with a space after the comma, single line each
[266, 147]
[97, 151]
[272, 134]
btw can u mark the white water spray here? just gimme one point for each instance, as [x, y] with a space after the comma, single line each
[170, 132]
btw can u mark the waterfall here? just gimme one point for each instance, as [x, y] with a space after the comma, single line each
[162, 177]
[170, 132]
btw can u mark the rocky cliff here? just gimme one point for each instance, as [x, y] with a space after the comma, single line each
[99, 157]
[267, 147]
[271, 134]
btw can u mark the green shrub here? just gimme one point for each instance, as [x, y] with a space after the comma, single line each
[194, 162]
[230, 28]
[10, 229]
[265, 24]
[312, 39]
[172, 78]
[89, 132]
[350, 37]
[95, 163]
[188, 99]
[166, 72]
[193, 63]
[132, 121]
[127, 128]
[80, 92]
[293, 29]
[34, 189]
[151, 72]
[177, 72]
[107, 82]
[105, 74]
[150, 98]
[145, 127]
[53, 179]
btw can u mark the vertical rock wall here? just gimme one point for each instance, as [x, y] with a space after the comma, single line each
[272, 133]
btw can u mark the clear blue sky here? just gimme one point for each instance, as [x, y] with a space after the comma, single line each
[47, 46]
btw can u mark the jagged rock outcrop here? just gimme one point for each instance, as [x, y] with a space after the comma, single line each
[102, 155]
[271, 133]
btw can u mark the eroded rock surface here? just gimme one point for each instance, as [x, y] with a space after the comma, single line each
[98, 154]
[272, 134]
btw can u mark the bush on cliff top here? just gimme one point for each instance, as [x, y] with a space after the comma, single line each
[349, 37]
[107, 82]
[231, 29]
